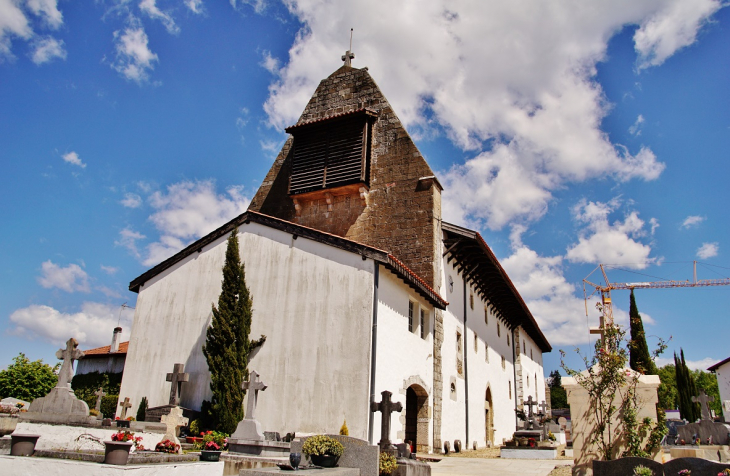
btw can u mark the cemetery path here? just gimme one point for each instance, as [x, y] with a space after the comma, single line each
[495, 467]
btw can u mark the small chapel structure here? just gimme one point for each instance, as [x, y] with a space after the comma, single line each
[359, 286]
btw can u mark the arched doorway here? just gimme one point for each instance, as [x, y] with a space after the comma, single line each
[417, 417]
[488, 417]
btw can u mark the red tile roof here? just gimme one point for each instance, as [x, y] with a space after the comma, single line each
[123, 346]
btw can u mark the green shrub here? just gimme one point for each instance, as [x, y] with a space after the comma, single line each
[322, 445]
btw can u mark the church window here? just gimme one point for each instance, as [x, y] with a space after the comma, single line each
[486, 352]
[531, 355]
[471, 301]
[524, 348]
[510, 389]
[486, 315]
[411, 305]
[423, 323]
[451, 284]
[528, 381]
[476, 343]
[498, 333]
[331, 153]
[504, 366]
[459, 353]
[453, 390]
[507, 340]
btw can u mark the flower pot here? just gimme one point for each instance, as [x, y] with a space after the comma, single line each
[122, 423]
[325, 461]
[193, 439]
[23, 445]
[209, 455]
[117, 452]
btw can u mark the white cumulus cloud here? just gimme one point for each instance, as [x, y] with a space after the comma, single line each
[128, 239]
[708, 250]
[48, 11]
[47, 49]
[610, 243]
[460, 68]
[692, 221]
[131, 200]
[195, 6]
[71, 278]
[150, 8]
[92, 326]
[73, 158]
[134, 59]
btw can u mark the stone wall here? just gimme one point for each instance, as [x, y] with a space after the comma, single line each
[399, 214]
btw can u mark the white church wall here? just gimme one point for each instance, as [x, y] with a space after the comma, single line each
[113, 364]
[403, 357]
[533, 378]
[312, 301]
[723, 383]
[482, 374]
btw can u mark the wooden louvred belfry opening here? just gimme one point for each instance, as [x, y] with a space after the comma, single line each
[331, 152]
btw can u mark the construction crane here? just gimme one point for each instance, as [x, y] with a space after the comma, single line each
[607, 307]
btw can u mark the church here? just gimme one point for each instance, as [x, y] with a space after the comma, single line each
[359, 287]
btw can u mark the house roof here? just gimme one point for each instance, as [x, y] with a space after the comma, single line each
[477, 263]
[103, 351]
[380, 256]
[712, 368]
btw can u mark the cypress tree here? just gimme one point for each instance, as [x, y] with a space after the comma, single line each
[686, 389]
[639, 357]
[227, 343]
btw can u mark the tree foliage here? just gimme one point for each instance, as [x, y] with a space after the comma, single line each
[639, 357]
[558, 396]
[668, 389]
[686, 388]
[227, 345]
[26, 380]
[85, 385]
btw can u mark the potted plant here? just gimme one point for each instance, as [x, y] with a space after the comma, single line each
[213, 443]
[117, 450]
[323, 450]
[23, 445]
[167, 446]
[387, 464]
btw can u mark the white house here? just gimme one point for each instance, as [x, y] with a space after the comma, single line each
[722, 371]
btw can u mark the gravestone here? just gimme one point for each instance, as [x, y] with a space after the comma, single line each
[125, 406]
[61, 399]
[176, 379]
[530, 416]
[385, 407]
[99, 394]
[708, 431]
[249, 428]
[173, 421]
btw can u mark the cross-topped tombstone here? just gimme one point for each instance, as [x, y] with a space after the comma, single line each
[125, 405]
[173, 421]
[543, 408]
[385, 407]
[249, 428]
[530, 415]
[704, 401]
[68, 355]
[253, 383]
[99, 393]
[177, 377]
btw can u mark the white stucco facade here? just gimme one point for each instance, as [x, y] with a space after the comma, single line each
[722, 371]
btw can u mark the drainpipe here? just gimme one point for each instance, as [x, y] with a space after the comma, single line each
[514, 371]
[374, 340]
[466, 372]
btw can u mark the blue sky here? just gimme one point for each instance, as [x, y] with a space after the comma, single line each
[569, 134]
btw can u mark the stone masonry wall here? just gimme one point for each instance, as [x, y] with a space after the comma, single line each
[396, 218]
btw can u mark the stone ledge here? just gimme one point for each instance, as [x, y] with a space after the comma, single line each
[527, 453]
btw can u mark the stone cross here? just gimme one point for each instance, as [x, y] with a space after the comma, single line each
[253, 383]
[348, 57]
[385, 407]
[530, 415]
[173, 421]
[68, 355]
[177, 377]
[125, 405]
[99, 393]
[703, 400]
[543, 408]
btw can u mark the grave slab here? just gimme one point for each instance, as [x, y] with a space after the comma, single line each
[22, 466]
[708, 452]
[528, 453]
